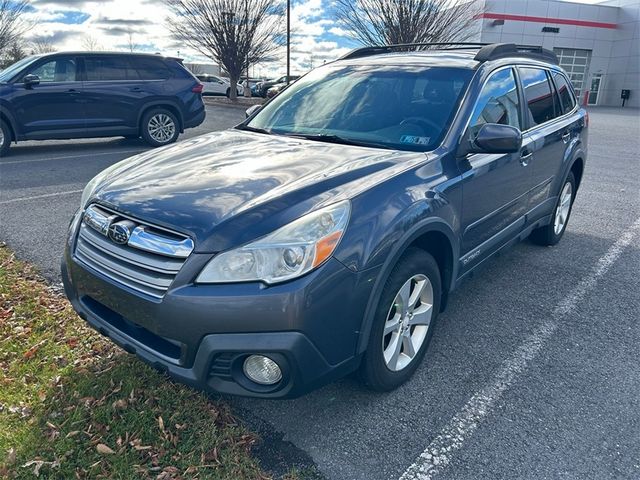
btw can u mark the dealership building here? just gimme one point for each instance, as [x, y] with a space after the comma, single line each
[597, 44]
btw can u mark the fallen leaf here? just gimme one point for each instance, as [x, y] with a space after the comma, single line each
[104, 450]
[11, 456]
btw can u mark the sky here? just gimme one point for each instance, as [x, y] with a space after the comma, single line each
[114, 24]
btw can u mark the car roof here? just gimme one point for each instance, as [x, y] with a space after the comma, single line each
[109, 53]
[440, 58]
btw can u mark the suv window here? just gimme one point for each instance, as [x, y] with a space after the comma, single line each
[62, 69]
[564, 90]
[151, 68]
[109, 69]
[537, 91]
[498, 102]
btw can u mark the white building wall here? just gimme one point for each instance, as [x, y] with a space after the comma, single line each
[615, 53]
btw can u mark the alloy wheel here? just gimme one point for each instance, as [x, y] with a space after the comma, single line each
[563, 208]
[407, 322]
[161, 128]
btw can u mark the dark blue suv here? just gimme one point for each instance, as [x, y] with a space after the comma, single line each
[324, 234]
[85, 94]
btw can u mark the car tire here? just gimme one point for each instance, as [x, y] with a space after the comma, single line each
[159, 127]
[5, 138]
[552, 233]
[404, 321]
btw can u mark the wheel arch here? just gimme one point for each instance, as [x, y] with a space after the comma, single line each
[434, 236]
[577, 168]
[8, 119]
[171, 106]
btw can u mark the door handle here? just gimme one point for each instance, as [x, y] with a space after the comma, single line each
[73, 91]
[136, 89]
[566, 136]
[525, 157]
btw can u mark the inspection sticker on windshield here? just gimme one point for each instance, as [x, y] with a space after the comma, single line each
[415, 140]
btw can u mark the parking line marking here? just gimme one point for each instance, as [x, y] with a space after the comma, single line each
[66, 157]
[440, 451]
[36, 197]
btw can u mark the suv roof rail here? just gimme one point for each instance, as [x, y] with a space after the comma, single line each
[486, 51]
[503, 50]
[379, 49]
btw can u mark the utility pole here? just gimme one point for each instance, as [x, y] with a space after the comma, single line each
[288, 40]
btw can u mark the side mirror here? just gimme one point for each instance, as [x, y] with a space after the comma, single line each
[253, 109]
[31, 80]
[496, 138]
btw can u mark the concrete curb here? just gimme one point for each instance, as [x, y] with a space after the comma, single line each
[239, 103]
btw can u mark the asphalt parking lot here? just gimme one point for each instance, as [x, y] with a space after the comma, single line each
[533, 371]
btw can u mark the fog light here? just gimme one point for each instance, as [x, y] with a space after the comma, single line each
[262, 370]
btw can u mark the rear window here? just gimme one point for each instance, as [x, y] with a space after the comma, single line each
[567, 98]
[103, 68]
[151, 68]
[539, 96]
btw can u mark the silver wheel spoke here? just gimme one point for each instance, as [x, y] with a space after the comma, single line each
[392, 325]
[416, 293]
[392, 352]
[404, 296]
[407, 344]
[421, 316]
[161, 128]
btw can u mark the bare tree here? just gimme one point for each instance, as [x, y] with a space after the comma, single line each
[12, 23]
[130, 42]
[13, 53]
[42, 45]
[233, 33]
[195, 68]
[388, 22]
[90, 44]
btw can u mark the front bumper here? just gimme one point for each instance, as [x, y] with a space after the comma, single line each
[201, 334]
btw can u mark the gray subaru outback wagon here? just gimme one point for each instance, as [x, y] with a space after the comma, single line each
[324, 234]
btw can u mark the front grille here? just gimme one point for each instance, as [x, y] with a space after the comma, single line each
[148, 267]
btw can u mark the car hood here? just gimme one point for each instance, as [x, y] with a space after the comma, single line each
[241, 181]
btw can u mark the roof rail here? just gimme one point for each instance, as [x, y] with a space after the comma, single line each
[502, 50]
[379, 49]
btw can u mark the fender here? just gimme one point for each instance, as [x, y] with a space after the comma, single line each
[160, 102]
[6, 114]
[432, 224]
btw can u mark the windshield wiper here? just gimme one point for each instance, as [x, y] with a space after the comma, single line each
[254, 129]
[330, 138]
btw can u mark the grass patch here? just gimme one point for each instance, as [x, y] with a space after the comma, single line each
[73, 405]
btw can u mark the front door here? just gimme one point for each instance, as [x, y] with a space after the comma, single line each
[495, 185]
[55, 107]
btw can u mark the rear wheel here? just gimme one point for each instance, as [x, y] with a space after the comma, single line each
[5, 138]
[403, 322]
[552, 233]
[159, 127]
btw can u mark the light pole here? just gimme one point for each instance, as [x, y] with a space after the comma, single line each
[288, 39]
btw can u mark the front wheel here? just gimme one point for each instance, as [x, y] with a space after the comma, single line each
[159, 127]
[403, 322]
[5, 138]
[552, 233]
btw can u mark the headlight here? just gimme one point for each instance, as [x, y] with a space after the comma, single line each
[287, 253]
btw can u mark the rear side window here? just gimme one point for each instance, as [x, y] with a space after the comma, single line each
[151, 68]
[62, 69]
[498, 102]
[102, 68]
[564, 91]
[539, 95]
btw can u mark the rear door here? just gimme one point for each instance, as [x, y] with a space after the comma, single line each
[54, 108]
[495, 188]
[114, 92]
[550, 133]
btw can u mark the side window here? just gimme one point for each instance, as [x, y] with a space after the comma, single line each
[564, 90]
[62, 69]
[539, 96]
[105, 68]
[498, 102]
[152, 69]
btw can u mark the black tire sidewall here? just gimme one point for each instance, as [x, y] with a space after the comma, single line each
[4, 147]
[374, 370]
[546, 235]
[145, 127]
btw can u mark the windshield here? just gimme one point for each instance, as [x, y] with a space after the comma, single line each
[11, 71]
[398, 107]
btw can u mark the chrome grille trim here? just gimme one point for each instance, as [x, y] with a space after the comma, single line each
[150, 270]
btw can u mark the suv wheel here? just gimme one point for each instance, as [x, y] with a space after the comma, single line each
[5, 138]
[552, 233]
[159, 127]
[403, 322]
